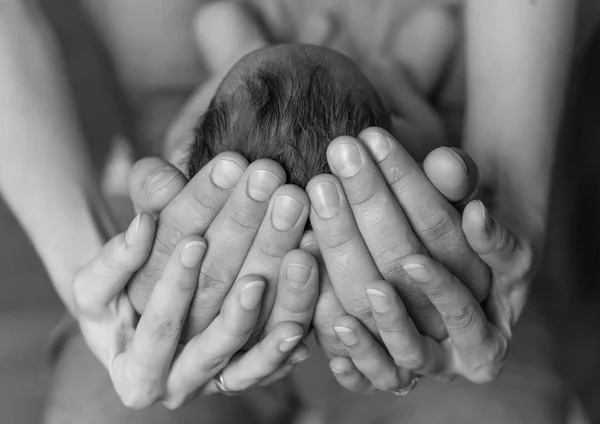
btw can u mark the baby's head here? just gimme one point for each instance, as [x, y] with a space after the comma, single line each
[286, 103]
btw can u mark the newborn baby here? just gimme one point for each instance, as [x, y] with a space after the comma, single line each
[286, 103]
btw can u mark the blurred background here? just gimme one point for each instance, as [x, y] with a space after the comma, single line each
[569, 281]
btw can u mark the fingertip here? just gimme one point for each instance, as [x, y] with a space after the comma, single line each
[191, 250]
[475, 223]
[300, 354]
[153, 183]
[378, 142]
[452, 172]
[252, 288]
[341, 365]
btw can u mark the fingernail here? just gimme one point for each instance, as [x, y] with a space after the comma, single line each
[325, 199]
[262, 184]
[225, 174]
[300, 356]
[380, 301]
[251, 294]
[418, 272]
[288, 344]
[192, 253]
[458, 157]
[160, 178]
[346, 335]
[132, 231]
[485, 216]
[345, 160]
[286, 213]
[298, 275]
[338, 371]
[378, 145]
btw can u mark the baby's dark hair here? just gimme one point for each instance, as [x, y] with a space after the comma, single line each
[286, 113]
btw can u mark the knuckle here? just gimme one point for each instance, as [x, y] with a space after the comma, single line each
[204, 203]
[209, 283]
[401, 180]
[364, 197]
[413, 360]
[460, 319]
[244, 222]
[389, 259]
[214, 364]
[174, 403]
[485, 373]
[165, 328]
[435, 224]
[138, 397]
[272, 252]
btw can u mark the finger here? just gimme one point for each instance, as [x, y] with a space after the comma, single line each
[382, 224]
[157, 334]
[407, 347]
[263, 358]
[328, 306]
[279, 233]
[426, 61]
[480, 348]
[297, 291]
[153, 183]
[433, 219]
[300, 354]
[190, 212]
[369, 357]
[495, 243]
[453, 173]
[207, 353]
[232, 235]
[106, 275]
[347, 259]
[349, 377]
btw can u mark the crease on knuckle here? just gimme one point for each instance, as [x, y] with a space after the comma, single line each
[209, 284]
[165, 328]
[411, 357]
[389, 260]
[271, 252]
[204, 203]
[214, 364]
[460, 319]
[401, 181]
[366, 197]
[244, 223]
[139, 395]
[435, 226]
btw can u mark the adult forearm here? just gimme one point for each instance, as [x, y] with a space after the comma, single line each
[46, 176]
[519, 54]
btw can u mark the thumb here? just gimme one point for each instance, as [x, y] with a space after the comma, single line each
[498, 247]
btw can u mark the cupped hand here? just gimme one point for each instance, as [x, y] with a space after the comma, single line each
[380, 209]
[479, 334]
[144, 355]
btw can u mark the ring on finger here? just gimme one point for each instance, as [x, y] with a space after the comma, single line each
[222, 387]
[414, 380]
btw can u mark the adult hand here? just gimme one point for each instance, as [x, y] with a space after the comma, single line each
[479, 335]
[145, 359]
[378, 212]
[256, 236]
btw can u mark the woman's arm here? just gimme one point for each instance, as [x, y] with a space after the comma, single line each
[518, 56]
[46, 175]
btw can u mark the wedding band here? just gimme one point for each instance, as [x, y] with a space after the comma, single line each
[222, 387]
[414, 380]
